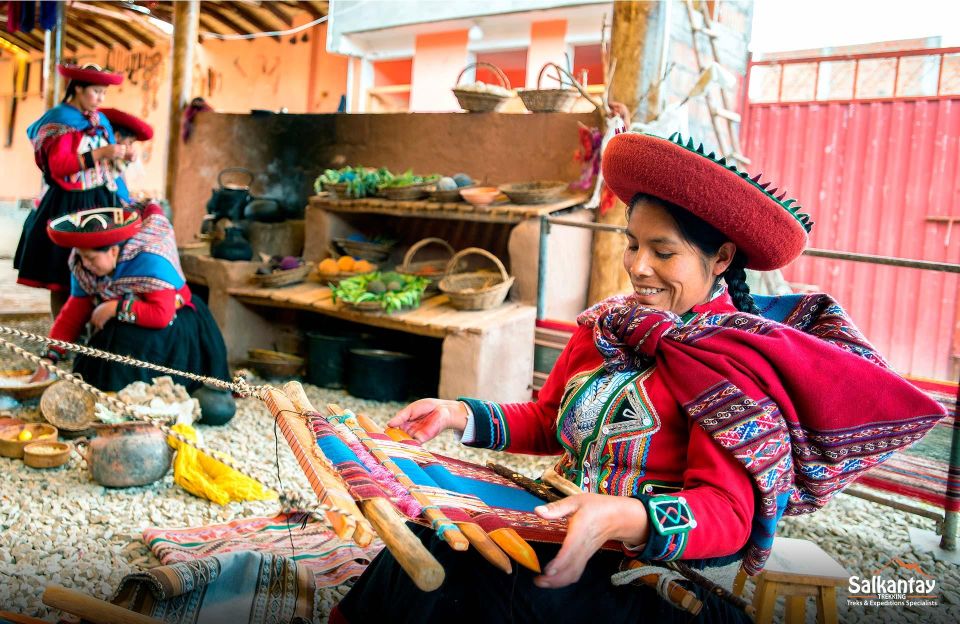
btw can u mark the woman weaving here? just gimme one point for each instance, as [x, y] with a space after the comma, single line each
[691, 423]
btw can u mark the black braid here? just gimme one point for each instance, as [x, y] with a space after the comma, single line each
[736, 278]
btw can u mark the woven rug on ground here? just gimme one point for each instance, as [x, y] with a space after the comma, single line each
[230, 588]
[314, 546]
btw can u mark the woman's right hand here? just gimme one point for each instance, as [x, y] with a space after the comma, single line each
[110, 152]
[426, 418]
[41, 374]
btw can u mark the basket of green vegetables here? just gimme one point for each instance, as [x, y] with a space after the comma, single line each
[380, 291]
[352, 182]
[408, 186]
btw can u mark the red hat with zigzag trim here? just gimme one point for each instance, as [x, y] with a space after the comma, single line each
[769, 229]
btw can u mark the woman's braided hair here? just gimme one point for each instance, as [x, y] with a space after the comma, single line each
[708, 240]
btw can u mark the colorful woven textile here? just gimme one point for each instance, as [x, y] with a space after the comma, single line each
[314, 547]
[464, 491]
[806, 404]
[232, 588]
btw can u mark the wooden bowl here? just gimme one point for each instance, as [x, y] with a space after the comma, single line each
[480, 195]
[46, 454]
[12, 446]
[14, 383]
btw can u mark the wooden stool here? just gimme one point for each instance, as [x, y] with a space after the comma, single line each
[796, 569]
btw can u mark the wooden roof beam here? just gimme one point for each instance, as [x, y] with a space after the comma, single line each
[19, 42]
[309, 8]
[76, 35]
[120, 30]
[277, 12]
[258, 22]
[82, 29]
[226, 20]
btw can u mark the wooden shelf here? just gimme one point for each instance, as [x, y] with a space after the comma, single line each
[434, 317]
[497, 213]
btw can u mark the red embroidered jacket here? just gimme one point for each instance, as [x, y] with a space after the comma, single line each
[655, 450]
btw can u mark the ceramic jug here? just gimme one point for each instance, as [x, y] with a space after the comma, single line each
[127, 454]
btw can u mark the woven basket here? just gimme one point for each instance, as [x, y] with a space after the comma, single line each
[338, 190]
[433, 270]
[452, 195]
[68, 407]
[274, 363]
[477, 102]
[541, 100]
[373, 252]
[534, 192]
[478, 290]
[284, 278]
[406, 193]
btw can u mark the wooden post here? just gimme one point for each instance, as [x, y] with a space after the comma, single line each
[186, 20]
[637, 41]
[52, 54]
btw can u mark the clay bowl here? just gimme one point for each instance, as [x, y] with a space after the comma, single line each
[15, 384]
[46, 454]
[12, 446]
[480, 195]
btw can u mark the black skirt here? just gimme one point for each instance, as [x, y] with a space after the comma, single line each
[475, 591]
[192, 343]
[41, 263]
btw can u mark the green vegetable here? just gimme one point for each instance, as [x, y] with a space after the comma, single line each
[407, 178]
[360, 289]
[360, 181]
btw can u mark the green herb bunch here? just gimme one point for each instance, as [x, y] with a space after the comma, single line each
[393, 291]
[407, 178]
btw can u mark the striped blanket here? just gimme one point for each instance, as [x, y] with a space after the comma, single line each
[310, 545]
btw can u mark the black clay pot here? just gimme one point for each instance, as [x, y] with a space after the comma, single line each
[379, 375]
[233, 246]
[217, 407]
[264, 210]
[327, 356]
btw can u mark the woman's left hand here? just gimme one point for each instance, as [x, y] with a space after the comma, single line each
[103, 313]
[594, 519]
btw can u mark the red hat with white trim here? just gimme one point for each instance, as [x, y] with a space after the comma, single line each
[769, 229]
[93, 228]
[90, 74]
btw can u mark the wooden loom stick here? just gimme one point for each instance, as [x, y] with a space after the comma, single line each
[506, 538]
[90, 608]
[678, 595]
[474, 533]
[448, 531]
[537, 489]
[418, 562]
[344, 516]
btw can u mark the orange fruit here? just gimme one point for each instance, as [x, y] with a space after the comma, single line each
[345, 263]
[362, 266]
[328, 266]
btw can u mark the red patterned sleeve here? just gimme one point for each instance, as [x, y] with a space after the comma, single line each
[530, 427]
[711, 516]
[153, 310]
[69, 323]
[61, 155]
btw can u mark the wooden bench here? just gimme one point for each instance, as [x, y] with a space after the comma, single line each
[796, 569]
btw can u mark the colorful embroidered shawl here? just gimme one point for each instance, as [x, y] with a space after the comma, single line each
[805, 404]
[148, 262]
[64, 119]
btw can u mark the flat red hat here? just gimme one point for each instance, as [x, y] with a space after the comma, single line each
[134, 125]
[90, 74]
[96, 227]
[768, 229]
